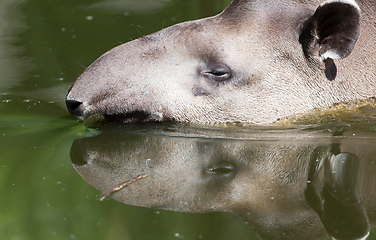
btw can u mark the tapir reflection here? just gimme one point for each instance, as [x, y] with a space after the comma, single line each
[283, 189]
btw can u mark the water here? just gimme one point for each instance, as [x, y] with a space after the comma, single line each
[45, 45]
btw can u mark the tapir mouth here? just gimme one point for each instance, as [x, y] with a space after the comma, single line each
[138, 116]
[133, 117]
[95, 118]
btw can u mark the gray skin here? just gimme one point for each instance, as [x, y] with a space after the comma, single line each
[292, 189]
[256, 62]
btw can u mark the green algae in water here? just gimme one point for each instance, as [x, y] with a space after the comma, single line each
[356, 111]
[95, 121]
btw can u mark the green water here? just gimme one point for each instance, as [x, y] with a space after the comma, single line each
[44, 46]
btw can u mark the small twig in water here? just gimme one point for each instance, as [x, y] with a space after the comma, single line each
[120, 186]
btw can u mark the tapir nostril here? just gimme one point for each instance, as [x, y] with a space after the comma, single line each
[75, 108]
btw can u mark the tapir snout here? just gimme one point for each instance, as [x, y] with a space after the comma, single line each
[256, 62]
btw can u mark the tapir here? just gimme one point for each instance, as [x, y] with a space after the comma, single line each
[256, 62]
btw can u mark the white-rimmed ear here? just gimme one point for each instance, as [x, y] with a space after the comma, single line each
[332, 31]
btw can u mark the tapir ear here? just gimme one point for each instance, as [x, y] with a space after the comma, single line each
[332, 31]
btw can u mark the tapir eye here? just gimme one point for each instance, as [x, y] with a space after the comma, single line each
[218, 72]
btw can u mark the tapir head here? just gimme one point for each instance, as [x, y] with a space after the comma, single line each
[255, 62]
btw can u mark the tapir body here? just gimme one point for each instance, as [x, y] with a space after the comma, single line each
[256, 62]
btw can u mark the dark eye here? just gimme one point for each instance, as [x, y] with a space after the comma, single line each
[218, 72]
